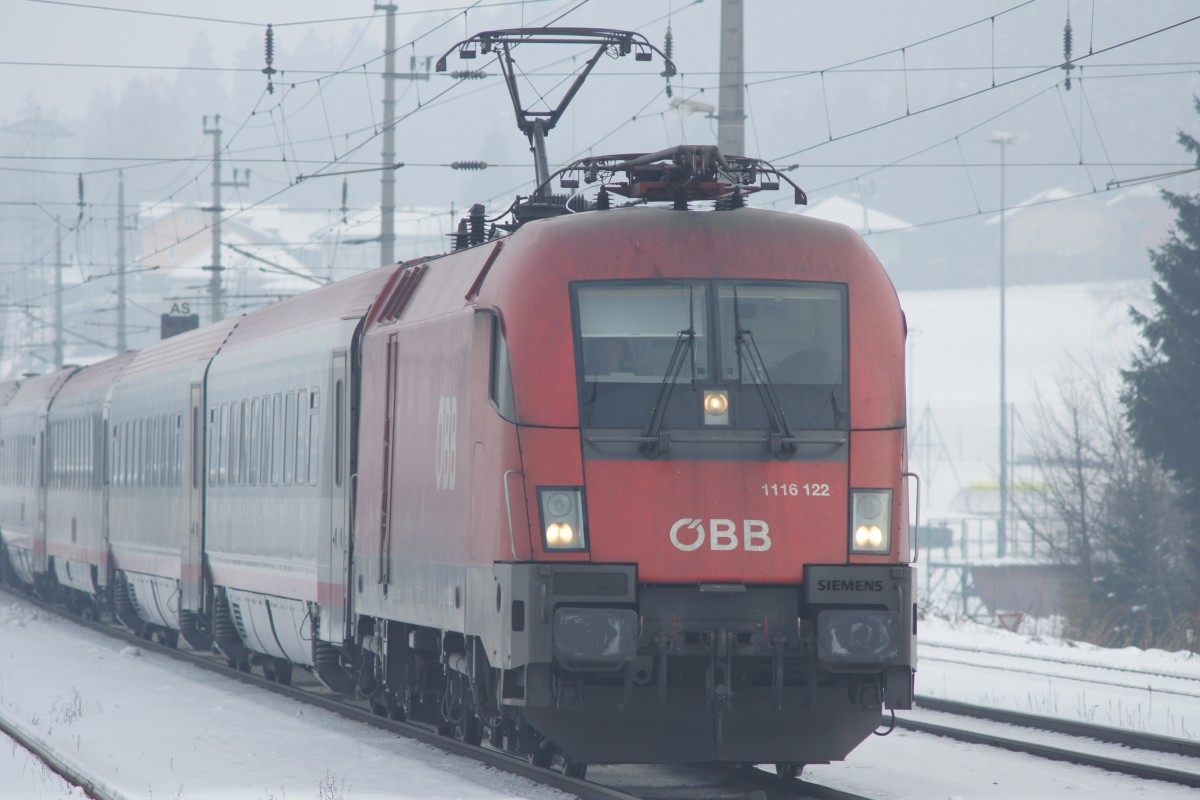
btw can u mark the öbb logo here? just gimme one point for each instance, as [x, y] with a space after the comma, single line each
[689, 534]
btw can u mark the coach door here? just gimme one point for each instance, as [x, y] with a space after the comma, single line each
[192, 572]
[337, 461]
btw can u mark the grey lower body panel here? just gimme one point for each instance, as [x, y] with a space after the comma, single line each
[684, 729]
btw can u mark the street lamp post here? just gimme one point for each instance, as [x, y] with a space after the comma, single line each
[1003, 139]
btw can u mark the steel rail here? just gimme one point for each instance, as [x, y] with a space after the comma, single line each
[57, 765]
[1053, 660]
[1087, 730]
[1144, 771]
[1061, 676]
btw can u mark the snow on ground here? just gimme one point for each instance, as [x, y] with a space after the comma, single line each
[24, 777]
[954, 367]
[183, 733]
[174, 731]
[1163, 700]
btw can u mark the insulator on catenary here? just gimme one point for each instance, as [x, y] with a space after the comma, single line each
[1068, 37]
[469, 165]
[270, 53]
[469, 74]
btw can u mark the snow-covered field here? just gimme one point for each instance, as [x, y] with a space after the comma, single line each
[953, 368]
[1150, 691]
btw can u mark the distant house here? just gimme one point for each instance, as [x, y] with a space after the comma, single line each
[891, 250]
[1053, 237]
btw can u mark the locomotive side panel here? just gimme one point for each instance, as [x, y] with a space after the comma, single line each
[421, 402]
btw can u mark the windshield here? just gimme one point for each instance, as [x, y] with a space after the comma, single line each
[626, 335]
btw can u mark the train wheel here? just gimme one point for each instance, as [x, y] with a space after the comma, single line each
[573, 769]
[469, 730]
[542, 756]
[788, 770]
[395, 708]
[88, 611]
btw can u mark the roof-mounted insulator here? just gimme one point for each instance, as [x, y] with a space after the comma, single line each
[730, 202]
[468, 165]
[270, 52]
[603, 200]
[668, 51]
[462, 238]
[477, 222]
[1067, 66]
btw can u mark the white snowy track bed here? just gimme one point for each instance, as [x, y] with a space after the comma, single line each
[24, 776]
[148, 727]
[911, 766]
[1143, 690]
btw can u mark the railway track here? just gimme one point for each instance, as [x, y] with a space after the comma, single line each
[59, 766]
[615, 782]
[684, 782]
[1186, 686]
[929, 650]
[1078, 730]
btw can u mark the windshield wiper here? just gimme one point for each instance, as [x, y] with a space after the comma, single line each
[781, 441]
[656, 440]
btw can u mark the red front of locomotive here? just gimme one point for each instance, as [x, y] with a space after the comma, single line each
[710, 409]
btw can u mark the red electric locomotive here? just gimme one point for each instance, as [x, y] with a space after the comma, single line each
[640, 485]
[632, 482]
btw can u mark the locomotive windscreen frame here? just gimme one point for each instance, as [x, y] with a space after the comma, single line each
[706, 350]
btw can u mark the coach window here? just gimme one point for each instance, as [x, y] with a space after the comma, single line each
[243, 441]
[314, 440]
[237, 449]
[252, 472]
[213, 431]
[276, 439]
[268, 426]
[289, 435]
[501, 386]
[223, 446]
[177, 461]
[337, 433]
[156, 451]
[126, 433]
[302, 437]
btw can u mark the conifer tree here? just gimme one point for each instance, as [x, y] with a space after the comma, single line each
[1162, 386]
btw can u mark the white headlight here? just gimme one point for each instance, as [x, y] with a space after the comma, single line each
[562, 518]
[560, 534]
[871, 521]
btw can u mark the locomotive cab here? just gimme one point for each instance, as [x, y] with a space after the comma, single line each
[713, 467]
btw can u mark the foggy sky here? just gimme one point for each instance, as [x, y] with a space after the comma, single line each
[125, 98]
